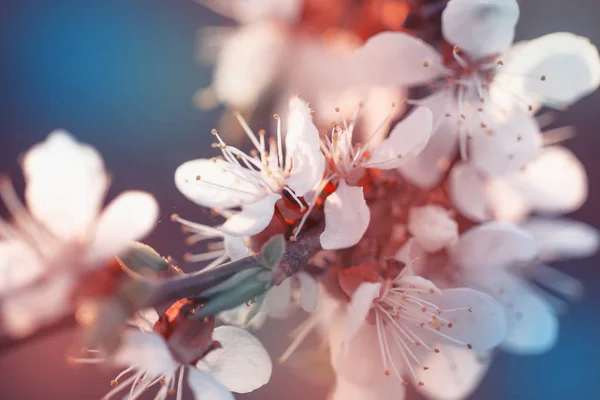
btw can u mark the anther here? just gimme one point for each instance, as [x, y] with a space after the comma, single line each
[337, 109]
[483, 125]
[114, 383]
[530, 108]
[436, 350]
[463, 116]
[387, 372]
[519, 138]
[543, 78]
[470, 346]
[423, 309]
[425, 368]
[399, 155]
[450, 325]
[426, 63]
[276, 116]
[174, 217]
[213, 132]
[404, 383]
[447, 115]
[470, 309]
[499, 62]
[456, 49]
[420, 383]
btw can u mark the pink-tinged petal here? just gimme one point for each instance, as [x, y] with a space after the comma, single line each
[505, 201]
[427, 169]
[247, 64]
[205, 387]
[467, 189]
[309, 292]
[252, 219]
[480, 27]
[19, 265]
[346, 217]
[241, 364]
[532, 323]
[358, 309]
[144, 319]
[247, 12]
[303, 145]
[506, 144]
[477, 319]
[453, 374]
[556, 182]
[129, 217]
[563, 238]
[146, 351]
[396, 58]
[210, 183]
[554, 70]
[66, 184]
[432, 227]
[408, 138]
[385, 389]
[235, 247]
[278, 300]
[494, 245]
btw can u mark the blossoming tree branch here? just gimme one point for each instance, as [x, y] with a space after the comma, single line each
[409, 201]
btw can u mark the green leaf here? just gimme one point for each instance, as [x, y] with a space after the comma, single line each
[272, 251]
[255, 309]
[140, 258]
[231, 282]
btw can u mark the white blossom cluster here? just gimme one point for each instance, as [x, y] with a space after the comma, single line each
[430, 229]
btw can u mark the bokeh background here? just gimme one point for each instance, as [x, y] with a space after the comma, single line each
[120, 74]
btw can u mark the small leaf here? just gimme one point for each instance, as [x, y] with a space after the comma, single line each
[255, 309]
[141, 257]
[231, 282]
[272, 251]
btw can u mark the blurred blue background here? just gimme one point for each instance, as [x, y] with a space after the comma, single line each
[120, 74]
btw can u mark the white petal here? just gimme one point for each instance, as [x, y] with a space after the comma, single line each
[358, 309]
[556, 182]
[494, 245]
[408, 138]
[563, 238]
[235, 247]
[146, 351]
[453, 374]
[532, 324]
[506, 201]
[129, 217]
[395, 58]
[432, 227]
[238, 316]
[278, 299]
[428, 168]
[247, 64]
[514, 142]
[210, 183]
[303, 145]
[246, 12]
[467, 190]
[144, 319]
[480, 27]
[204, 387]
[386, 388]
[66, 184]
[19, 264]
[569, 64]
[242, 364]
[479, 320]
[252, 219]
[309, 292]
[346, 217]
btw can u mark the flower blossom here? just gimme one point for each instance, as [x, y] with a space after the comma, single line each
[394, 330]
[347, 215]
[217, 362]
[63, 233]
[486, 90]
[256, 182]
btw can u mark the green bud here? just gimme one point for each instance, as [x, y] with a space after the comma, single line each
[231, 282]
[142, 258]
[272, 251]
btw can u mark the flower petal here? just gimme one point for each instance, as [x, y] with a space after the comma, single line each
[506, 201]
[238, 316]
[204, 387]
[235, 247]
[563, 238]
[388, 388]
[467, 189]
[346, 217]
[146, 351]
[309, 292]
[129, 217]
[247, 64]
[432, 227]
[278, 299]
[210, 183]
[66, 184]
[359, 308]
[569, 65]
[242, 364]
[556, 182]
[477, 318]
[494, 245]
[247, 12]
[453, 374]
[480, 27]
[408, 138]
[396, 58]
[303, 145]
[19, 265]
[252, 219]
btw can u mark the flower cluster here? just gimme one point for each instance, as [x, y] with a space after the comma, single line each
[418, 244]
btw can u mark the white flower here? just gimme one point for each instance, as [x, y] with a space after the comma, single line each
[346, 213]
[488, 89]
[63, 233]
[394, 331]
[256, 182]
